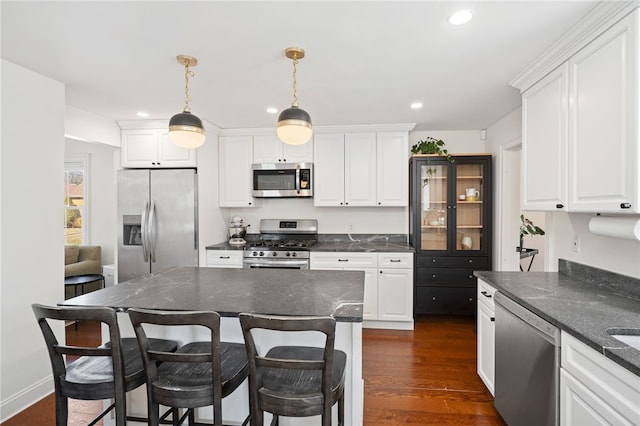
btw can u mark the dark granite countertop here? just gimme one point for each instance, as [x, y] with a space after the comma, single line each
[581, 301]
[391, 243]
[232, 291]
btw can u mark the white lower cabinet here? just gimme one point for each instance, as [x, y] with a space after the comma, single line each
[486, 334]
[595, 390]
[224, 259]
[388, 287]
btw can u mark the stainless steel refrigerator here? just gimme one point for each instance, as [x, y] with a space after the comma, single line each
[157, 220]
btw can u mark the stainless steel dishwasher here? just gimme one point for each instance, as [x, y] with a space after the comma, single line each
[527, 366]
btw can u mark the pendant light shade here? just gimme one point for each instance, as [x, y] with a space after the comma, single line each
[294, 123]
[294, 126]
[185, 129]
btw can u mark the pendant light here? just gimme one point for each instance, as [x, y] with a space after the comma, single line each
[294, 123]
[185, 129]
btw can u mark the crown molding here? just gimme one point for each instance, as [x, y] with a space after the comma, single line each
[209, 127]
[604, 15]
[271, 131]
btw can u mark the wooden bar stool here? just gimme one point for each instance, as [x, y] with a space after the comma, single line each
[198, 374]
[104, 372]
[294, 381]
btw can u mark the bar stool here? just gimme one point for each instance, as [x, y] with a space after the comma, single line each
[294, 381]
[105, 372]
[198, 374]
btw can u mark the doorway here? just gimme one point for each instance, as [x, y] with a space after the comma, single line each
[509, 210]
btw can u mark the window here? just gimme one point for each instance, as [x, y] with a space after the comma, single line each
[75, 200]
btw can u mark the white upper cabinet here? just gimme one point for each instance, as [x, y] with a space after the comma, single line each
[234, 168]
[545, 112]
[149, 148]
[270, 149]
[392, 152]
[361, 169]
[581, 150]
[603, 142]
[328, 173]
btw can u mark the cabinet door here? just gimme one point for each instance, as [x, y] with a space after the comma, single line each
[298, 153]
[392, 152]
[603, 145]
[431, 198]
[328, 153]
[486, 345]
[395, 295]
[545, 113]
[171, 155]
[267, 149]
[472, 216]
[234, 168]
[360, 169]
[139, 148]
[370, 304]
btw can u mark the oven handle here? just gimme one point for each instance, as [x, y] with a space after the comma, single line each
[274, 263]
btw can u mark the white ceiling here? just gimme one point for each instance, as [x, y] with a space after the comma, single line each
[365, 61]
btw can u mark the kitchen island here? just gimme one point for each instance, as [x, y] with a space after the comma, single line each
[232, 291]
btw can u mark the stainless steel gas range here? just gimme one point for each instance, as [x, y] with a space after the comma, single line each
[283, 243]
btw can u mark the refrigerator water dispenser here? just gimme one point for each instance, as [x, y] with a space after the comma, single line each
[132, 232]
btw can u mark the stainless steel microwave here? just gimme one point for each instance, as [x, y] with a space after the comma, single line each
[282, 180]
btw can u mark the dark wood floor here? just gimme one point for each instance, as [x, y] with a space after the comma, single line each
[422, 377]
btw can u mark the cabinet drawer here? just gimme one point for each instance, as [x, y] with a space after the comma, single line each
[485, 294]
[224, 258]
[462, 277]
[446, 300]
[462, 261]
[324, 260]
[395, 260]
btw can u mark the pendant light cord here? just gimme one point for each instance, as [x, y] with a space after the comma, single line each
[187, 74]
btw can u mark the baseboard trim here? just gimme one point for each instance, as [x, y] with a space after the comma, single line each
[27, 397]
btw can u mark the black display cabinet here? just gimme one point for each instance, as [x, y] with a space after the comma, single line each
[450, 227]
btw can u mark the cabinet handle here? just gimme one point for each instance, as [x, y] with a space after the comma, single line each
[380, 271]
[433, 275]
[625, 205]
[433, 298]
[485, 294]
[343, 260]
[470, 260]
[249, 202]
[433, 260]
[470, 277]
[346, 204]
[492, 319]
[225, 257]
[394, 260]
[379, 203]
[340, 203]
[471, 299]
[559, 206]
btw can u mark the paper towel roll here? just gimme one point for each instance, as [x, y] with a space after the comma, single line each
[616, 227]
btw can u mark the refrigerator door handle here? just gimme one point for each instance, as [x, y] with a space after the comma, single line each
[144, 233]
[152, 231]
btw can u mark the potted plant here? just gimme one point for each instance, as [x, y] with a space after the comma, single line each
[431, 146]
[527, 227]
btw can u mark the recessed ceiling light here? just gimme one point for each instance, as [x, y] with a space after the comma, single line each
[416, 105]
[272, 110]
[460, 17]
[142, 114]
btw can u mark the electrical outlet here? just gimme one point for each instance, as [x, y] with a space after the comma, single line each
[575, 246]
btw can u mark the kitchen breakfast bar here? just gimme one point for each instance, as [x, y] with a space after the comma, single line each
[232, 291]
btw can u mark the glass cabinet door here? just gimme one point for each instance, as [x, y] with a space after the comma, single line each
[433, 205]
[470, 220]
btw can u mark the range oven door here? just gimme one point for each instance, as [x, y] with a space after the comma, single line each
[251, 263]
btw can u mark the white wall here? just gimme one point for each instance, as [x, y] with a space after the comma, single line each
[457, 141]
[31, 236]
[612, 254]
[102, 194]
[85, 126]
